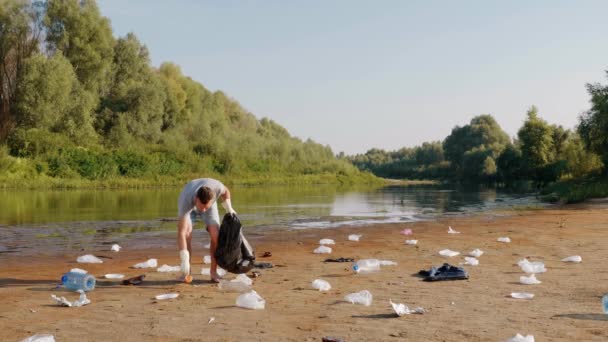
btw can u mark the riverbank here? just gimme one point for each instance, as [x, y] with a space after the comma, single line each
[566, 306]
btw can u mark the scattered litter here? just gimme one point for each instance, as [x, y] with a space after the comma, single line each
[167, 296]
[39, 338]
[407, 232]
[331, 339]
[321, 285]
[340, 260]
[521, 338]
[387, 263]
[266, 254]
[78, 270]
[251, 300]
[207, 259]
[135, 280]
[207, 246]
[366, 266]
[362, 297]
[89, 259]
[114, 276]
[476, 253]
[411, 242]
[504, 239]
[354, 237]
[448, 253]
[452, 231]
[83, 300]
[262, 265]
[322, 250]
[211, 320]
[531, 280]
[531, 267]
[256, 274]
[241, 283]
[207, 271]
[327, 242]
[147, 264]
[115, 248]
[445, 272]
[402, 309]
[522, 295]
[574, 258]
[471, 261]
[167, 268]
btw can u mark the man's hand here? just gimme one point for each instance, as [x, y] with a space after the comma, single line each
[184, 255]
[227, 204]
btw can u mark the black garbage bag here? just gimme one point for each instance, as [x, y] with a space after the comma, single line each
[233, 252]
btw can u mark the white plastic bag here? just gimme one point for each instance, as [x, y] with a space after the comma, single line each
[574, 258]
[402, 309]
[452, 231]
[207, 259]
[167, 296]
[207, 246]
[531, 280]
[448, 253]
[321, 285]
[327, 242]
[89, 259]
[147, 264]
[166, 268]
[503, 239]
[476, 253]
[521, 338]
[251, 300]
[522, 295]
[82, 300]
[354, 237]
[114, 276]
[115, 248]
[471, 261]
[362, 297]
[322, 250]
[207, 271]
[39, 338]
[411, 242]
[242, 283]
[78, 270]
[531, 267]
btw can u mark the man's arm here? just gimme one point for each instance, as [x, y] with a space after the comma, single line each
[226, 202]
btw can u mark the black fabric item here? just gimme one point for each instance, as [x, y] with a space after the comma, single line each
[340, 260]
[262, 265]
[445, 272]
[233, 252]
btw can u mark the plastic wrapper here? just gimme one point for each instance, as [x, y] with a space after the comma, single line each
[522, 295]
[82, 300]
[574, 258]
[39, 338]
[530, 280]
[448, 253]
[362, 297]
[471, 261]
[207, 259]
[114, 276]
[251, 300]
[402, 309]
[167, 296]
[78, 270]
[531, 267]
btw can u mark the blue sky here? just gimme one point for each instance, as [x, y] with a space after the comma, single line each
[387, 74]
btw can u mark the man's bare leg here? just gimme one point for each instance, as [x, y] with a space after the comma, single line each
[213, 235]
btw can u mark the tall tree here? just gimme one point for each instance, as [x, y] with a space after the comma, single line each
[593, 126]
[536, 143]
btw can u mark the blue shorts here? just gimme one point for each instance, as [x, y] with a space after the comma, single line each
[210, 217]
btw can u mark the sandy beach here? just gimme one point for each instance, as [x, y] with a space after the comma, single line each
[566, 306]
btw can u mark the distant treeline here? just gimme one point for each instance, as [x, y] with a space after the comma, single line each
[78, 103]
[482, 152]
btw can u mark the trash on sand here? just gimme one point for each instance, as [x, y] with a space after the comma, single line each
[331, 339]
[476, 253]
[448, 253]
[471, 261]
[521, 338]
[322, 250]
[207, 259]
[207, 271]
[574, 258]
[340, 260]
[39, 338]
[266, 254]
[387, 263]
[78, 270]
[407, 232]
[211, 320]
[78, 281]
[445, 272]
[411, 242]
[167, 296]
[522, 295]
[251, 300]
[241, 283]
[89, 259]
[166, 268]
[135, 280]
[366, 265]
[115, 248]
[354, 237]
[321, 285]
[402, 309]
[531, 280]
[114, 276]
[147, 264]
[362, 297]
[83, 300]
[503, 239]
[327, 242]
[233, 252]
[531, 267]
[207, 246]
[452, 231]
[262, 265]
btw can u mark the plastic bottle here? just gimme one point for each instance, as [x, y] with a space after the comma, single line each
[366, 265]
[78, 281]
[605, 303]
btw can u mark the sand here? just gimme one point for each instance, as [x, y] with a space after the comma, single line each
[566, 306]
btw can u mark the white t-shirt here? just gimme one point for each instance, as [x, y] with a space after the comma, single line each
[187, 198]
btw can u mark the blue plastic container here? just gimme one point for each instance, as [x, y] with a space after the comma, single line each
[605, 303]
[78, 281]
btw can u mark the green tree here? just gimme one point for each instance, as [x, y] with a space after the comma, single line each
[536, 143]
[509, 165]
[593, 125]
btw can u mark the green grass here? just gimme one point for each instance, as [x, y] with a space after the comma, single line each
[576, 190]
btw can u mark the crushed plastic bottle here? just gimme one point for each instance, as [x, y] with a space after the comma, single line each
[366, 265]
[251, 300]
[78, 281]
[362, 297]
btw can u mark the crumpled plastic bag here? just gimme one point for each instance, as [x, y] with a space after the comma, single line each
[452, 231]
[321, 285]
[521, 338]
[411, 242]
[522, 295]
[503, 239]
[251, 300]
[402, 309]
[354, 237]
[78, 270]
[89, 259]
[322, 250]
[39, 338]
[531, 267]
[476, 253]
[362, 297]
[471, 261]
[166, 296]
[531, 280]
[207, 259]
[83, 300]
[574, 258]
[115, 248]
[207, 271]
[147, 264]
[167, 268]
[114, 276]
[448, 253]
[327, 242]
[242, 283]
